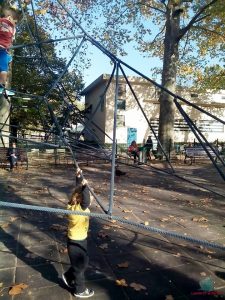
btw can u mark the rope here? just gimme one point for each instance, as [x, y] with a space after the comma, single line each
[117, 218]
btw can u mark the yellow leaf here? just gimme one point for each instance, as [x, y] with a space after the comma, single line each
[137, 286]
[146, 223]
[127, 211]
[1, 284]
[121, 282]
[41, 11]
[199, 219]
[17, 289]
[123, 265]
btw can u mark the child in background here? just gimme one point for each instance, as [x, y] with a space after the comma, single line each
[7, 34]
[77, 239]
[134, 150]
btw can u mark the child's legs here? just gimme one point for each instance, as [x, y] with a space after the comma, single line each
[79, 262]
[3, 77]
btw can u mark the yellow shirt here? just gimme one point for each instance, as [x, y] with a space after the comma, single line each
[78, 225]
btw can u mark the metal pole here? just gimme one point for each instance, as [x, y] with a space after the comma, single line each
[114, 144]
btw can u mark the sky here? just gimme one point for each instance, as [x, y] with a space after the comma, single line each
[100, 64]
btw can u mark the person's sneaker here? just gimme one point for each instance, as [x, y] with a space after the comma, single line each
[86, 294]
[67, 281]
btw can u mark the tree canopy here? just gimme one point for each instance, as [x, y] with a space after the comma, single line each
[34, 71]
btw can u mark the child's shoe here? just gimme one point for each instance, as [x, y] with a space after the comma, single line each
[86, 294]
[67, 281]
[10, 93]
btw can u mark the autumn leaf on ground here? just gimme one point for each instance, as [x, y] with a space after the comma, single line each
[4, 225]
[113, 221]
[137, 286]
[64, 250]
[17, 289]
[121, 282]
[146, 223]
[169, 297]
[104, 246]
[106, 227]
[199, 219]
[127, 211]
[164, 219]
[12, 219]
[123, 265]
[102, 234]
[1, 284]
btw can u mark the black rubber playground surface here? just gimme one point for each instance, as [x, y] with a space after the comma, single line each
[126, 262]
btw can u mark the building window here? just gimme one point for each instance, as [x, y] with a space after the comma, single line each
[122, 89]
[120, 120]
[121, 104]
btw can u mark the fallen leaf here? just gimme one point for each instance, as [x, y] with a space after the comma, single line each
[199, 219]
[4, 225]
[137, 286]
[17, 289]
[169, 297]
[104, 246]
[146, 223]
[123, 265]
[121, 282]
[12, 219]
[164, 219]
[102, 234]
[127, 211]
[1, 284]
[65, 250]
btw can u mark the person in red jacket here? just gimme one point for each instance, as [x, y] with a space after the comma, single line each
[133, 149]
[7, 33]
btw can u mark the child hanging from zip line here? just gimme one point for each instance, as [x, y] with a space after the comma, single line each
[8, 21]
[78, 226]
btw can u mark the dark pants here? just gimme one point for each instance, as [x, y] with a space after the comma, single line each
[135, 155]
[77, 251]
[12, 161]
[148, 155]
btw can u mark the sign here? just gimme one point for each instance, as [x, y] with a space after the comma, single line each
[131, 135]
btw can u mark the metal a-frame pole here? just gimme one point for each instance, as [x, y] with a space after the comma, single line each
[112, 181]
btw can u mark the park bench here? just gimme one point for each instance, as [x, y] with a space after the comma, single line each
[22, 157]
[197, 152]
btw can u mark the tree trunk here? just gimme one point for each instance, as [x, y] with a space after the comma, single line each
[170, 60]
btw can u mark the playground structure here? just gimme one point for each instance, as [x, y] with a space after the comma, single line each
[61, 119]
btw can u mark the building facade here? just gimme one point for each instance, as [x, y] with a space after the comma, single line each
[131, 123]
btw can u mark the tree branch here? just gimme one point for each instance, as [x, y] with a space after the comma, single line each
[195, 19]
[153, 7]
[209, 30]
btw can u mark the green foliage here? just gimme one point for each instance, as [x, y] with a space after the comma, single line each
[34, 71]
